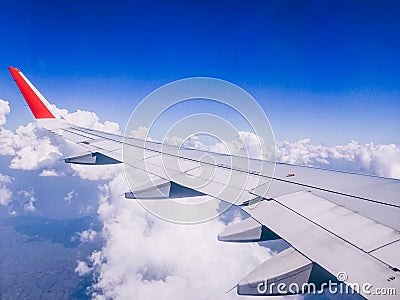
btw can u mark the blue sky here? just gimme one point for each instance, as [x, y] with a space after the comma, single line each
[323, 70]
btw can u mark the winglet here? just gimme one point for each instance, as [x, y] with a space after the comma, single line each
[39, 106]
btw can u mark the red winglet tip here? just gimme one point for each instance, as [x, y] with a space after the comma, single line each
[13, 70]
[38, 108]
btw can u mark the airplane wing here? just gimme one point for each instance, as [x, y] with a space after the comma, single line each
[340, 226]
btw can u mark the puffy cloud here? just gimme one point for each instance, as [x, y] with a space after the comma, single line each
[82, 268]
[4, 111]
[33, 149]
[87, 235]
[30, 145]
[49, 173]
[5, 192]
[6, 136]
[104, 172]
[89, 119]
[28, 199]
[70, 195]
[7, 142]
[382, 160]
[140, 133]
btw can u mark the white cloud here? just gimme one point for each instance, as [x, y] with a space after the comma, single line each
[82, 268]
[4, 111]
[49, 173]
[382, 160]
[7, 142]
[87, 235]
[5, 192]
[103, 172]
[140, 133]
[6, 136]
[28, 199]
[31, 147]
[90, 120]
[70, 195]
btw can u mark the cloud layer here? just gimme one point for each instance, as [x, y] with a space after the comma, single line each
[147, 258]
[380, 160]
[33, 148]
